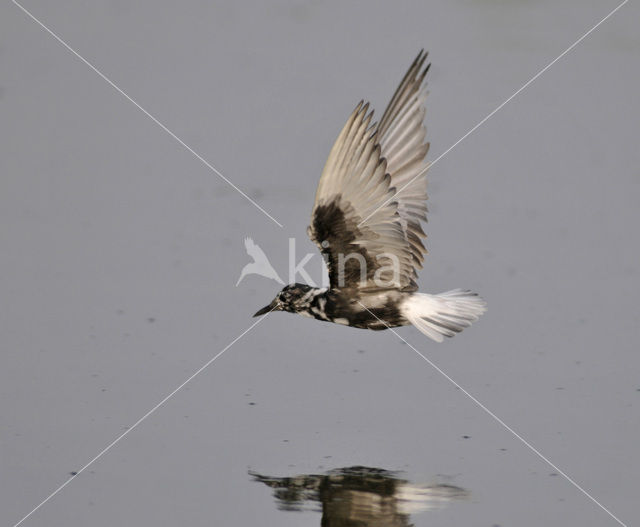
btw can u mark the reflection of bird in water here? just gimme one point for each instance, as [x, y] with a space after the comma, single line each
[260, 264]
[359, 496]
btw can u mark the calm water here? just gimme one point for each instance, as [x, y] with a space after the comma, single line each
[120, 253]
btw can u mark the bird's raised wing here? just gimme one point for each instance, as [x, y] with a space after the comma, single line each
[370, 237]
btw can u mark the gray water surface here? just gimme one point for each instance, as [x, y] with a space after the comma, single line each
[120, 251]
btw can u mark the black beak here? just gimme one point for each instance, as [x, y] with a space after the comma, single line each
[266, 309]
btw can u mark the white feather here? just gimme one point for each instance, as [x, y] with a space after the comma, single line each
[443, 315]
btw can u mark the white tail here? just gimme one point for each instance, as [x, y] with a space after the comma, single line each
[443, 315]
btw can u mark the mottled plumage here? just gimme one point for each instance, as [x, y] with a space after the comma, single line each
[366, 221]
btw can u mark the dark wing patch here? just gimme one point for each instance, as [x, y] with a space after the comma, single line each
[335, 229]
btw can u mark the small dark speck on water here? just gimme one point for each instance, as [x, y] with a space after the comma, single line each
[151, 320]
[553, 474]
[360, 351]
[73, 473]
[285, 440]
[252, 404]
[503, 450]
[466, 437]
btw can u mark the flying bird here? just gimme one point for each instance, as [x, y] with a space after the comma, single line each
[260, 264]
[366, 221]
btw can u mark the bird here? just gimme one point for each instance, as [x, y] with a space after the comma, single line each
[367, 223]
[260, 264]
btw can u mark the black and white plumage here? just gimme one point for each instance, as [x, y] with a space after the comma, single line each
[366, 221]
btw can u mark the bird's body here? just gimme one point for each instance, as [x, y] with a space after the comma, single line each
[366, 221]
[340, 307]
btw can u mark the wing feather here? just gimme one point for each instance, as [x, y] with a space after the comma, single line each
[366, 166]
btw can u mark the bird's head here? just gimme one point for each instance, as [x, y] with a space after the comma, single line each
[291, 298]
